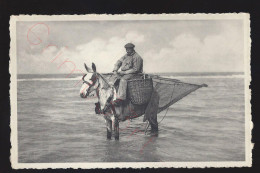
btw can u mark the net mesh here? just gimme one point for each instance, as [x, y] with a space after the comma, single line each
[169, 90]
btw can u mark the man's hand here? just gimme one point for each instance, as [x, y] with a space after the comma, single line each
[130, 71]
[122, 72]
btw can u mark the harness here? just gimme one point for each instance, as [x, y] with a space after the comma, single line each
[88, 83]
[108, 102]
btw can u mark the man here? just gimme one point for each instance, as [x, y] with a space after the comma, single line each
[131, 64]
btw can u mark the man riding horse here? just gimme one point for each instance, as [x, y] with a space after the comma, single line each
[131, 65]
[143, 98]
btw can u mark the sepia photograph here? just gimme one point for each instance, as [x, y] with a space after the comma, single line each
[130, 91]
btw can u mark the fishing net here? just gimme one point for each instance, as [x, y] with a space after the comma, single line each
[169, 90]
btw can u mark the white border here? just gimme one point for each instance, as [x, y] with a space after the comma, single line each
[94, 17]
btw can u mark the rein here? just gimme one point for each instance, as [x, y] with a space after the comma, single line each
[86, 82]
[107, 104]
[104, 80]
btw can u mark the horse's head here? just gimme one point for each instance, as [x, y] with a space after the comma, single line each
[93, 81]
[90, 81]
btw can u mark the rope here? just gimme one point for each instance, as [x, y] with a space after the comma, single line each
[105, 80]
[160, 78]
[148, 124]
[166, 109]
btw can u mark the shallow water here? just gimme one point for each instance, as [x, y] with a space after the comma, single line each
[56, 125]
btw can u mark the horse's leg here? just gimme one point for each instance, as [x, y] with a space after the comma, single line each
[116, 128]
[109, 129]
[151, 111]
[153, 122]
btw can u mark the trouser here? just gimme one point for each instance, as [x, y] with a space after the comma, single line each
[121, 93]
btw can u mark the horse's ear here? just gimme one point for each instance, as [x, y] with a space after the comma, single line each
[94, 67]
[87, 68]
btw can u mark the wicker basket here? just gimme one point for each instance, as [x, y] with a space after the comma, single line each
[140, 90]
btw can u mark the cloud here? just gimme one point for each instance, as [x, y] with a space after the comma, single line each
[185, 49]
[187, 52]
[103, 52]
[134, 37]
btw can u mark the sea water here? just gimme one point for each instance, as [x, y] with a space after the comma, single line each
[56, 125]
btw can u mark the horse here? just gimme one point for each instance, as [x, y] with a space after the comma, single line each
[113, 114]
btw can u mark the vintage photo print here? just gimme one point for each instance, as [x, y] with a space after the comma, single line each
[130, 91]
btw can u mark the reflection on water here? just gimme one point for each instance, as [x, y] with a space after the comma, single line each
[56, 125]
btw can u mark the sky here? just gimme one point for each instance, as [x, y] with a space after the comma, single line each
[165, 46]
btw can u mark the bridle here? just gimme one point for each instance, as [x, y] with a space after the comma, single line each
[88, 83]
[94, 80]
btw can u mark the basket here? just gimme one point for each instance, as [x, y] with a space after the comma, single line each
[140, 90]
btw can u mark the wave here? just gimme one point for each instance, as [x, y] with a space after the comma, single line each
[51, 79]
[174, 77]
[220, 76]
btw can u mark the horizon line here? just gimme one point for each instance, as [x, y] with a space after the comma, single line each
[145, 73]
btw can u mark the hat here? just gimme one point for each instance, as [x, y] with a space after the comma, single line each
[129, 45]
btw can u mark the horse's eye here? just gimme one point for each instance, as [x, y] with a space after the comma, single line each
[93, 78]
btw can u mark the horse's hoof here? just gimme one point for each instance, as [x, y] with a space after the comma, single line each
[154, 130]
[109, 135]
[116, 137]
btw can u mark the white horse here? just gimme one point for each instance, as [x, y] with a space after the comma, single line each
[106, 94]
